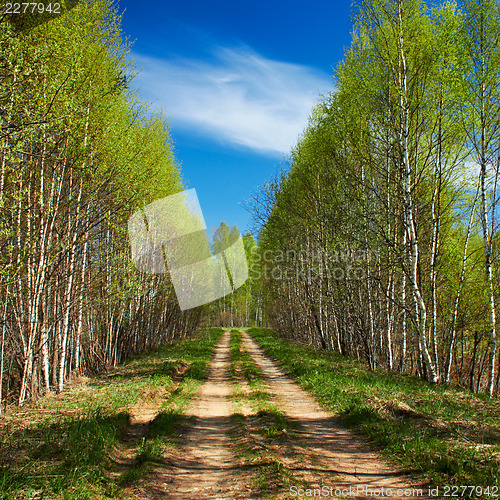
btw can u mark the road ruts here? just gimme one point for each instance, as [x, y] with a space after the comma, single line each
[347, 462]
[204, 469]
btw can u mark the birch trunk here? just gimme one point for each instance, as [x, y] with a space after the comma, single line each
[421, 311]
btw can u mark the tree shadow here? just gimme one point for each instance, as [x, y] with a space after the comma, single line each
[57, 456]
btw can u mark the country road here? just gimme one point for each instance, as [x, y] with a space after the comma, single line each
[205, 466]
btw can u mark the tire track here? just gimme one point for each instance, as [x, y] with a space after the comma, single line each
[341, 460]
[204, 467]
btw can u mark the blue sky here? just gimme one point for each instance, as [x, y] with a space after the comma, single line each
[237, 82]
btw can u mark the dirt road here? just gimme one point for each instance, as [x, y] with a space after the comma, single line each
[205, 467]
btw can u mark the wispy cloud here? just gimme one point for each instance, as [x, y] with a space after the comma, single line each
[239, 96]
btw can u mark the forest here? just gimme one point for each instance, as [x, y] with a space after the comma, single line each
[376, 241]
[364, 340]
[79, 153]
[379, 240]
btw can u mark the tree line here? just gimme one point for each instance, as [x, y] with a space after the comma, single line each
[79, 153]
[380, 236]
[378, 240]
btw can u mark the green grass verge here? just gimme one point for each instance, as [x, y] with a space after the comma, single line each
[60, 447]
[446, 435]
[261, 438]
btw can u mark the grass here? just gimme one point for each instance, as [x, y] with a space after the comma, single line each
[445, 435]
[61, 447]
[261, 438]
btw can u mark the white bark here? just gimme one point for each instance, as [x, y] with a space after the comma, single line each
[421, 311]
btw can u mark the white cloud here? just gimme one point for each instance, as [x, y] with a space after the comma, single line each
[240, 96]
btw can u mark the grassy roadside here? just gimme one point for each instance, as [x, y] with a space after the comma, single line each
[262, 438]
[61, 447]
[446, 435]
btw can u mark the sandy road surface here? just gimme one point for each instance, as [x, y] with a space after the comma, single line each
[333, 449]
[204, 466]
